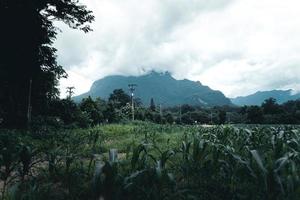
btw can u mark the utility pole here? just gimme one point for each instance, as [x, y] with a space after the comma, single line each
[70, 92]
[29, 108]
[132, 89]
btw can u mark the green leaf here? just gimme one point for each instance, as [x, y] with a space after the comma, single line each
[258, 160]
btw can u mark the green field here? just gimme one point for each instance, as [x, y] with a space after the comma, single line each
[154, 162]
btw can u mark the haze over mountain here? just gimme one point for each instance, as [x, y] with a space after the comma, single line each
[162, 87]
[258, 98]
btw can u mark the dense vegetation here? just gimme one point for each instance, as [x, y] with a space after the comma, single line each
[29, 72]
[154, 162]
[90, 112]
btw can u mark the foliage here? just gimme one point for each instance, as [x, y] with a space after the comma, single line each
[91, 112]
[155, 162]
[270, 106]
[152, 105]
[94, 109]
[255, 115]
[119, 98]
[28, 66]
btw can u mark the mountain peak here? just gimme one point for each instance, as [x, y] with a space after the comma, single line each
[160, 86]
[156, 73]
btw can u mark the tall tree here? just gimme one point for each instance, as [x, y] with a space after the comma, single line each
[119, 98]
[270, 106]
[187, 108]
[152, 105]
[255, 115]
[222, 117]
[29, 72]
[94, 109]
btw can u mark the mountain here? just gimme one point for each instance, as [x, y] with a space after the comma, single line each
[258, 98]
[162, 87]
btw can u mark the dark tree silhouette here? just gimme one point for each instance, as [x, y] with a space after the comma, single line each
[94, 109]
[255, 115]
[152, 105]
[119, 98]
[270, 106]
[222, 117]
[187, 108]
[28, 61]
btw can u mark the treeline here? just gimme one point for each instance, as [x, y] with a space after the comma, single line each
[118, 108]
[269, 112]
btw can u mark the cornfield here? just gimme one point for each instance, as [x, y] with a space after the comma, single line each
[154, 162]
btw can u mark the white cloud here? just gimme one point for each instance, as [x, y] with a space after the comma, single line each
[237, 46]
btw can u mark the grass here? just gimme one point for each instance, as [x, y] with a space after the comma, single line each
[122, 137]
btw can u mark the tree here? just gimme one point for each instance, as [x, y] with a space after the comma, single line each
[119, 98]
[140, 113]
[110, 114]
[270, 106]
[157, 118]
[169, 118]
[222, 117]
[69, 112]
[291, 106]
[137, 102]
[186, 118]
[29, 72]
[152, 105]
[255, 115]
[149, 115]
[200, 117]
[186, 108]
[243, 110]
[94, 109]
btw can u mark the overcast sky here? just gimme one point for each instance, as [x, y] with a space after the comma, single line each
[236, 46]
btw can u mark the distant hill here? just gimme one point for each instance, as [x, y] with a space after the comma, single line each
[162, 87]
[258, 98]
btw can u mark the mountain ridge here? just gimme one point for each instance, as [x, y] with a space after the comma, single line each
[258, 97]
[162, 87]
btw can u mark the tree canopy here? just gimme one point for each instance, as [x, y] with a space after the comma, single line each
[270, 106]
[152, 105]
[29, 71]
[119, 98]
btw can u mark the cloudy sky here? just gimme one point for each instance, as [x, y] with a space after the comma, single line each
[236, 46]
